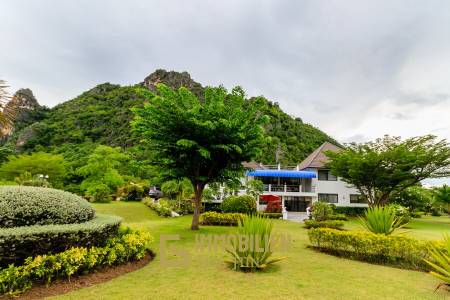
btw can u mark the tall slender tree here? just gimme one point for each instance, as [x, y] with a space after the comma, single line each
[203, 140]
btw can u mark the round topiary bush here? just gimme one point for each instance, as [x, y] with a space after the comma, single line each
[244, 204]
[26, 206]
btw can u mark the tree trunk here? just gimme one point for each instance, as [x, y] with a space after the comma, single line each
[197, 206]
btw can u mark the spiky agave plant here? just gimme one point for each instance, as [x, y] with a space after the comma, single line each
[256, 231]
[441, 263]
[381, 219]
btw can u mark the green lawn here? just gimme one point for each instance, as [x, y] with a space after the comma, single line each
[427, 227]
[305, 274]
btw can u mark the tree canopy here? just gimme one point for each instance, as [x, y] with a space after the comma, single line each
[389, 165]
[205, 141]
[38, 163]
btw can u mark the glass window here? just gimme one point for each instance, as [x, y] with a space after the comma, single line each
[328, 198]
[356, 198]
[326, 175]
[323, 174]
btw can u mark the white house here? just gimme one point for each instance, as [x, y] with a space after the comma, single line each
[301, 185]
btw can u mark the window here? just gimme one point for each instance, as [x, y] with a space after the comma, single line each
[328, 198]
[325, 175]
[356, 198]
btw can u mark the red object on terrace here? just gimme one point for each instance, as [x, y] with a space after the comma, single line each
[270, 198]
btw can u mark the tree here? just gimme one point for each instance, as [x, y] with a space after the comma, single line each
[178, 189]
[205, 141]
[255, 188]
[38, 163]
[389, 165]
[415, 198]
[442, 195]
[101, 175]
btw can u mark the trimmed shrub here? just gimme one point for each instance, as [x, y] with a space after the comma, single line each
[212, 206]
[162, 207]
[270, 215]
[25, 206]
[18, 243]
[131, 245]
[274, 207]
[324, 224]
[338, 217]
[401, 212]
[131, 192]
[350, 211]
[394, 250]
[221, 219]
[244, 204]
[321, 211]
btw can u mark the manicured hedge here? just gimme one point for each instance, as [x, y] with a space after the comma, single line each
[131, 245]
[244, 204]
[221, 219]
[26, 206]
[351, 211]
[18, 243]
[162, 207]
[394, 250]
[324, 224]
[270, 215]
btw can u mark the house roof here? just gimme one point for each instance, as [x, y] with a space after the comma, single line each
[317, 159]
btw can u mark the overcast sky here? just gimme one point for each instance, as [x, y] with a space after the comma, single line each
[355, 69]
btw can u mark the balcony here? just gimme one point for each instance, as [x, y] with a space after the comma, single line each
[276, 188]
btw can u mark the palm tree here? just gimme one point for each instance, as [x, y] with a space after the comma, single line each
[442, 195]
[5, 118]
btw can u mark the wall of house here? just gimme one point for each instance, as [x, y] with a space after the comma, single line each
[343, 189]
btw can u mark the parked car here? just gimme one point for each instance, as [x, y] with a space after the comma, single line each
[155, 193]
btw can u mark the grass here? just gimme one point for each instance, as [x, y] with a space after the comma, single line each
[427, 227]
[305, 274]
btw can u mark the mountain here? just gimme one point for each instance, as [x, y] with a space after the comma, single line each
[102, 116]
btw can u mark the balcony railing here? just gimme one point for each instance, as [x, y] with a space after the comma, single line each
[288, 188]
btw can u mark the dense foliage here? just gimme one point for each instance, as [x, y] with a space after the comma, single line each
[387, 166]
[128, 246]
[162, 207]
[49, 165]
[395, 250]
[17, 243]
[102, 115]
[216, 136]
[440, 262]
[324, 224]
[221, 219]
[25, 206]
[245, 204]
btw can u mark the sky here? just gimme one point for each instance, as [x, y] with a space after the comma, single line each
[355, 69]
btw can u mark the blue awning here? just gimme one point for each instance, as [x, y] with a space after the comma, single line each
[282, 173]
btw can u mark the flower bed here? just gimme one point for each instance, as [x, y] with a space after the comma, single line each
[221, 219]
[394, 250]
[127, 246]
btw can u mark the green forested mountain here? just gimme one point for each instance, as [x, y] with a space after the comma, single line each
[102, 116]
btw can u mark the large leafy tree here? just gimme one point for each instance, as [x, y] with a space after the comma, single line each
[203, 140]
[389, 165]
[442, 195]
[101, 172]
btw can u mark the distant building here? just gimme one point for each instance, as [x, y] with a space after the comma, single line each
[301, 185]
